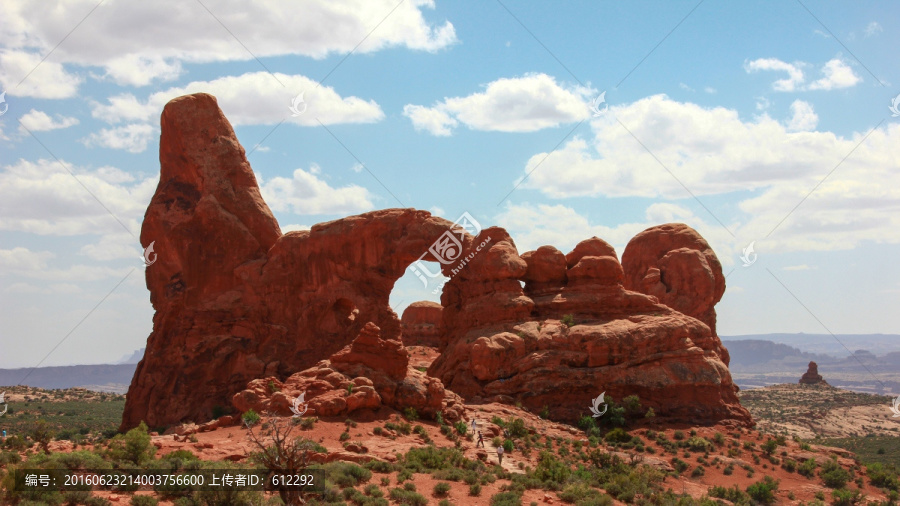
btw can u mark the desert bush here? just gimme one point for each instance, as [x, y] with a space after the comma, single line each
[407, 497]
[250, 418]
[698, 471]
[379, 466]
[678, 435]
[617, 435]
[769, 447]
[679, 465]
[833, 475]
[461, 427]
[517, 428]
[883, 476]
[475, 489]
[733, 494]
[279, 451]
[763, 491]
[410, 414]
[41, 433]
[552, 472]
[308, 423]
[807, 468]
[143, 500]
[134, 446]
[698, 444]
[789, 465]
[346, 474]
[508, 498]
[844, 497]
[441, 489]
[568, 320]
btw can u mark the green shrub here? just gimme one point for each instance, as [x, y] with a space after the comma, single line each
[580, 493]
[769, 447]
[833, 475]
[763, 491]
[135, 446]
[475, 489]
[441, 489]
[410, 414]
[789, 465]
[698, 471]
[733, 494]
[308, 423]
[883, 477]
[552, 472]
[698, 444]
[679, 465]
[344, 436]
[407, 497]
[508, 498]
[545, 413]
[617, 435]
[461, 427]
[568, 320]
[807, 468]
[678, 435]
[844, 497]
[517, 428]
[508, 446]
[143, 500]
[250, 418]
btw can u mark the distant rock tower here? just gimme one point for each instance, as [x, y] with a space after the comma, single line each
[420, 324]
[812, 376]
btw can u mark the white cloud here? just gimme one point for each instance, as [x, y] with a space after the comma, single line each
[803, 118]
[132, 138]
[710, 90]
[802, 267]
[533, 226]
[795, 74]
[873, 29]
[305, 193]
[250, 99]
[112, 247]
[436, 211]
[837, 75]
[42, 198]
[434, 121]
[137, 43]
[47, 80]
[520, 104]
[39, 121]
[714, 152]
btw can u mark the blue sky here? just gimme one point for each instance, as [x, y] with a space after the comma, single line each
[724, 116]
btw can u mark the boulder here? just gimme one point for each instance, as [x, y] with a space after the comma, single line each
[420, 324]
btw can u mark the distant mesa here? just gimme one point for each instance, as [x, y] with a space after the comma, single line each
[237, 303]
[812, 376]
[421, 324]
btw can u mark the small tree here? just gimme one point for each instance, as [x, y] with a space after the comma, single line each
[41, 433]
[135, 446]
[281, 453]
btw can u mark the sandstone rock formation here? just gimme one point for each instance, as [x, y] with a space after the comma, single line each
[506, 343]
[420, 324]
[368, 373]
[237, 301]
[812, 376]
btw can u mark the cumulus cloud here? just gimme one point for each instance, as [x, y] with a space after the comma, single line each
[42, 198]
[46, 80]
[521, 104]
[39, 121]
[132, 138]
[250, 99]
[117, 37]
[305, 193]
[837, 74]
[803, 117]
[713, 152]
[795, 73]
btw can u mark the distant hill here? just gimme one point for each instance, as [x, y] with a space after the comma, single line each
[103, 377]
[134, 358]
[827, 344]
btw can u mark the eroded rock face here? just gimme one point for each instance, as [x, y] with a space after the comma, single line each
[420, 324]
[584, 333]
[239, 303]
[364, 375]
